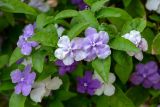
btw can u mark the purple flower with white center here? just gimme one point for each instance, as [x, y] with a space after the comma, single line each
[80, 3]
[24, 80]
[87, 84]
[95, 44]
[63, 69]
[70, 51]
[147, 75]
[23, 43]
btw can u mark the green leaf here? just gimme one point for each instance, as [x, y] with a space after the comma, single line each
[3, 60]
[156, 45]
[98, 5]
[126, 2]
[15, 56]
[119, 99]
[63, 95]
[66, 14]
[88, 16]
[149, 36]
[112, 12]
[123, 44]
[138, 95]
[56, 103]
[17, 100]
[47, 36]
[124, 65]
[7, 85]
[77, 29]
[16, 6]
[43, 20]
[139, 10]
[89, 2]
[102, 67]
[38, 60]
[138, 24]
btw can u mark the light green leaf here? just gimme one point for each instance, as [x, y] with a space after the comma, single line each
[89, 2]
[17, 100]
[98, 5]
[156, 45]
[126, 2]
[47, 36]
[38, 60]
[102, 67]
[15, 56]
[16, 6]
[43, 20]
[77, 29]
[123, 44]
[138, 24]
[66, 14]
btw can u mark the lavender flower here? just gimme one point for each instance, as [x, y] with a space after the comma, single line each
[69, 51]
[136, 38]
[80, 3]
[87, 84]
[23, 43]
[24, 80]
[95, 44]
[147, 75]
[63, 69]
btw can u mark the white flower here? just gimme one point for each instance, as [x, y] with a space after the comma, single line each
[153, 5]
[69, 51]
[107, 88]
[136, 38]
[44, 88]
[60, 30]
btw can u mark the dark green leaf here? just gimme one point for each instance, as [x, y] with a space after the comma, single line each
[56, 103]
[102, 67]
[98, 5]
[3, 60]
[124, 65]
[156, 45]
[65, 95]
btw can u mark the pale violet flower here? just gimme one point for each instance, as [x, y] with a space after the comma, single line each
[60, 30]
[70, 51]
[136, 38]
[43, 88]
[95, 44]
[153, 5]
[107, 88]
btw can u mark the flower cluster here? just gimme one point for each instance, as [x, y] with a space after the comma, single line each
[23, 43]
[136, 38]
[107, 87]
[43, 88]
[24, 80]
[88, 48]
[80, 3]
[147, 74]
[153, 5]
[87, 84]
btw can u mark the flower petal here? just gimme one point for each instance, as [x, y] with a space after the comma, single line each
[139, 56]
[68, 60]
[90, 31]
[63, 42]
[152, 4]
[104, 36]
[109, 89]
[60, 53]
[54, 84]
[100, 91]
[80, 55]
[18, 88]
[26, 89]
[103, 51]
[112, 78]
[16, 76]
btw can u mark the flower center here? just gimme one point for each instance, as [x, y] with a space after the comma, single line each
[85, 84]
[22, 79]
[93, 44]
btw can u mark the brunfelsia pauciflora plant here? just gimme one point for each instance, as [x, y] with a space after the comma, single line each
[84, 52]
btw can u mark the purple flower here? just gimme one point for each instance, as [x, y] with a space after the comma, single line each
[87, 84]
[95, 44]
[80, 3]
[23, 43]
[147, 75]
[70, 51]
[24, 80]
[63, 69]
